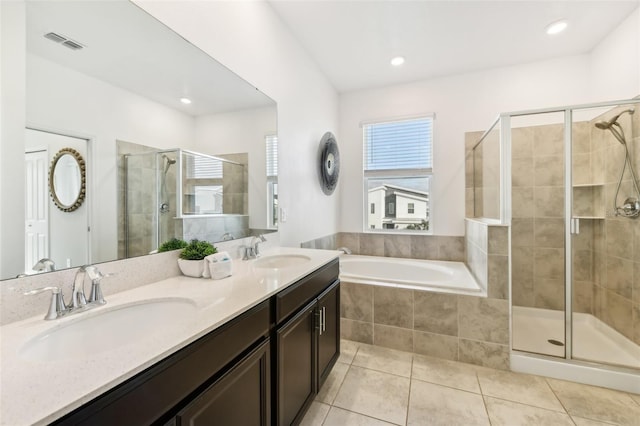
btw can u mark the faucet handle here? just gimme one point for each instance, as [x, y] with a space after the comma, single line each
[57, 306]
[96, 277]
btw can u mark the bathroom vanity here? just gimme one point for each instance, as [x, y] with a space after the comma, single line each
[273, 337]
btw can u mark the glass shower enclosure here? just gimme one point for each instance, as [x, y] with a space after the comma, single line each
[180, 193]
[565, 181]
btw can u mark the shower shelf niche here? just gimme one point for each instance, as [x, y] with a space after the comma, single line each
[588, 201]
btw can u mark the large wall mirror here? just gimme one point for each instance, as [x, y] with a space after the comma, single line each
[174, 143]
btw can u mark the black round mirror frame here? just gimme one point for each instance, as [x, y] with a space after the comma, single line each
[329, 163]
[79, 199]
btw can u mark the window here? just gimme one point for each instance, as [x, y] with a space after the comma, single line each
[373, 208]
[271, 143]
[398, 166]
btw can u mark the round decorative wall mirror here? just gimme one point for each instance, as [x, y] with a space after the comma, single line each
[329, 163]
[67, 181]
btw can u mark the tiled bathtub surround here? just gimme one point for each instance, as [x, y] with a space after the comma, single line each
[431, 247]
[455, 327]
[487, 256]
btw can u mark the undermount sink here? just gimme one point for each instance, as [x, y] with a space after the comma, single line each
[278, 261]
[109, 329]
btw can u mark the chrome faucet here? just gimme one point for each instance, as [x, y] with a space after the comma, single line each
[58, 308]
[252, 251]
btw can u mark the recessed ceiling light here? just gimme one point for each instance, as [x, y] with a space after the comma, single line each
[185, 101]
[556, 27]
[397, 61]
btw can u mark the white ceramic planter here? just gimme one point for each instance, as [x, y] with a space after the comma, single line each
[192, 268]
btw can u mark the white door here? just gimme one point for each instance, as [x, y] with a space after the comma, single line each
[36, 208]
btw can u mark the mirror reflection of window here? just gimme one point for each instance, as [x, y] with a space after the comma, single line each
[271, 142]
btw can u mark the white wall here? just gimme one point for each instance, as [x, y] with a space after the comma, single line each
[242, 131]
[250, 39]
[615, 62]
[12, 120]
[461, 103]
[81, 106]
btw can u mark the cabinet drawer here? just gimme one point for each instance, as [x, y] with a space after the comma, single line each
[293, 298]
[158, 390]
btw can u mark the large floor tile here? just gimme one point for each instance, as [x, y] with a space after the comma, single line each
[339, 417]
[443, 372]
[315, 414]
[596, 403]
[330, 387]
[375, 394]
[516, 387]
[383, 359]
[507, 413]
[348, 351]
[432, 404]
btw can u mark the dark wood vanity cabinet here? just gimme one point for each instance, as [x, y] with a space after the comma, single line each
[234, 356]
[307, 341]
[263, 367]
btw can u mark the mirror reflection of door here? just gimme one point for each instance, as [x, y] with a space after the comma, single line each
[36, 210]
[61, 236]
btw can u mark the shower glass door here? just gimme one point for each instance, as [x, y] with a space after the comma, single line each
[538, 232]
[605, 236]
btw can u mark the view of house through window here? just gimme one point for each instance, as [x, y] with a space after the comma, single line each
[397, 174]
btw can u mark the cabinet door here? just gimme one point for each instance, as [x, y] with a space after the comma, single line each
[329, 332]
[240, 397]
[296, 347]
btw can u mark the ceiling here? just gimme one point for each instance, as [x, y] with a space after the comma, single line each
[127, 48]
[354, 41]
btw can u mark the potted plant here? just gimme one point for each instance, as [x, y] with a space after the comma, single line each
[191, 261]
[172, 244]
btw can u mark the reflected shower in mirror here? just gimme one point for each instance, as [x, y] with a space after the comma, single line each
[126, 85]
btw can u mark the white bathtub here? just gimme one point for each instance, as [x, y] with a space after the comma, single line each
[431, 275]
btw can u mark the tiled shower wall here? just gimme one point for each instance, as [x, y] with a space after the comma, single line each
[142, 200]
[616, 240]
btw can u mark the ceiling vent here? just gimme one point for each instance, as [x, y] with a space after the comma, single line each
[71, 44]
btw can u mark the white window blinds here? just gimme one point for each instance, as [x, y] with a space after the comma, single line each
[272, 155]
[199, 167]
[399, 145]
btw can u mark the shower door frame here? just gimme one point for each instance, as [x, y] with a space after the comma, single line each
[570, 224]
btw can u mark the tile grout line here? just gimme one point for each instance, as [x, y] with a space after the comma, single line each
[482, 395]
[546, 380]
[341, 383]
[406, 417]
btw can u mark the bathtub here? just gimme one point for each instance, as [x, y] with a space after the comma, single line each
[430, 275]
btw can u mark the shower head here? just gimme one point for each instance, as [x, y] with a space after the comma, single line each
[169, 160]
[603, 125]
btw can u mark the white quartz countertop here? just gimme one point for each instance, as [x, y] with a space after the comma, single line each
[38, 392]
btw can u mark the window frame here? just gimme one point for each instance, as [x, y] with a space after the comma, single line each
[427, 172]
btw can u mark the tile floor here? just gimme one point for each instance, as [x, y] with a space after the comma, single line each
[374, 386]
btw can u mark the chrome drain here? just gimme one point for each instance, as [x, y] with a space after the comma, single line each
[555, 342]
